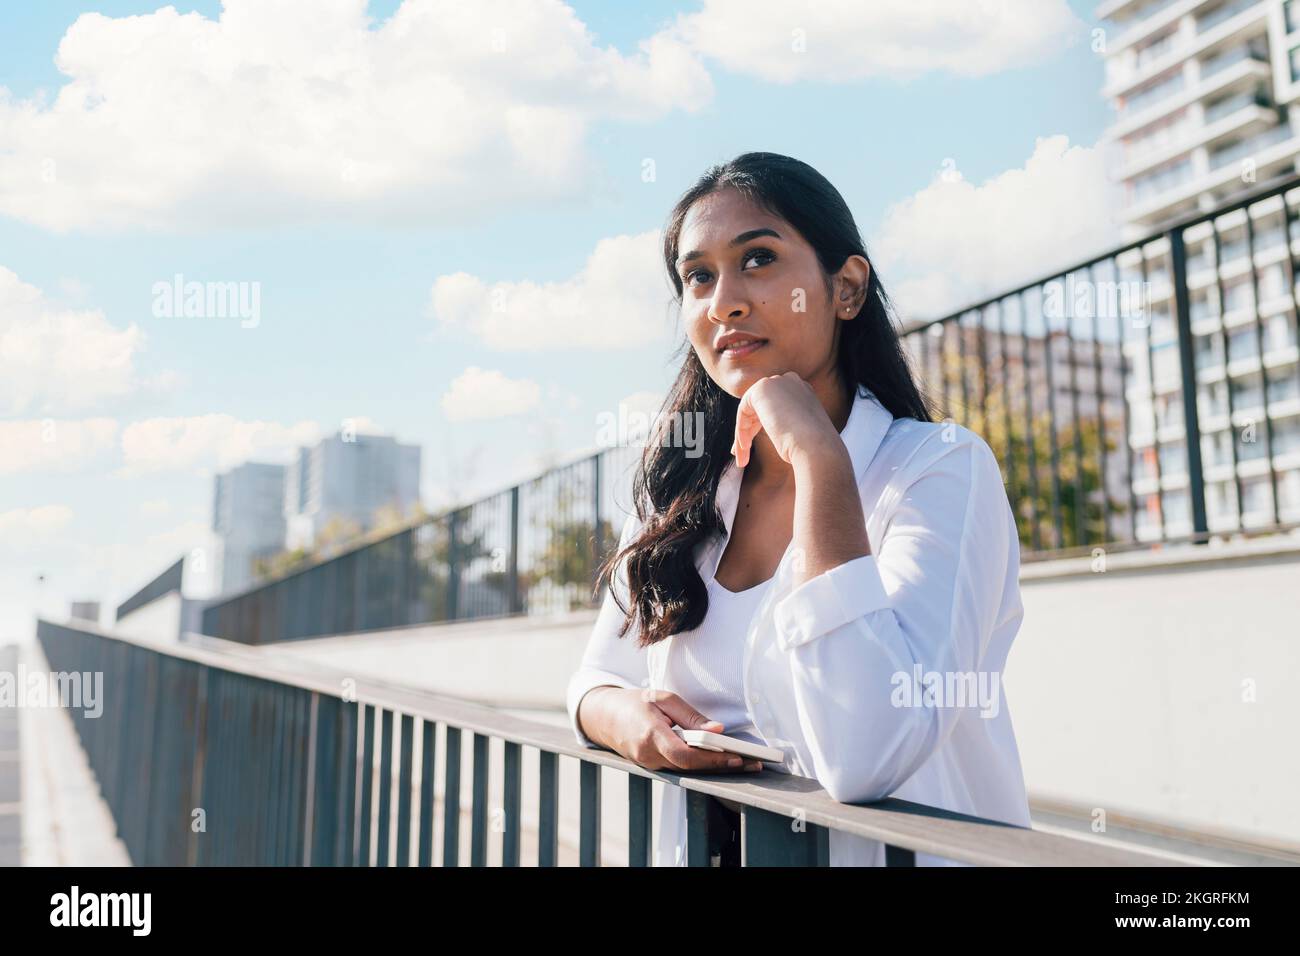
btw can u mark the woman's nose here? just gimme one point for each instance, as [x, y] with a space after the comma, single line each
[726, 307]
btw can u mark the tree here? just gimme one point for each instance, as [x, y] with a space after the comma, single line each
[996, 411]
[567, 553]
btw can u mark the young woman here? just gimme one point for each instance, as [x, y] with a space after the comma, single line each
[836, 575]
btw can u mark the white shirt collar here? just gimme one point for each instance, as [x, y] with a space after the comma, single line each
[863, 432]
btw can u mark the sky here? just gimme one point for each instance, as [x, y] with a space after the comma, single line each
[444, 221]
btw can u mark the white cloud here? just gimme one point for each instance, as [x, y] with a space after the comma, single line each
[21, 526]
[55, 359]
[54, 445]
[155, 507]
[838, 41]
[297, 109]
[478, 394]
[207, 442]
[643, 403]
[619, 299]
[954, 242]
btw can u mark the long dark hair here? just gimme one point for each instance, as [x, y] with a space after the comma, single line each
[675, 495]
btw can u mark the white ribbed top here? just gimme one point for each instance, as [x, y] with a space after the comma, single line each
[704, 666]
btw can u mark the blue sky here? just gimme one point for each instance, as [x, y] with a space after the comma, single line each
[349, 328]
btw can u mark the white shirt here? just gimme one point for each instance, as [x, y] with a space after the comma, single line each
[707, 665]
[827, 665]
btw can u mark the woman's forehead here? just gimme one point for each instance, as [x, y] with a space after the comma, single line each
[717, 220]
[725, 207]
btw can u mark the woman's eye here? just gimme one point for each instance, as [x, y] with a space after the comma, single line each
[764, 253]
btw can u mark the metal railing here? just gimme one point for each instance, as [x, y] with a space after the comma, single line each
[1102, 413]
[531, 548]
[206, 757]
[1090, 385]
[170, 580]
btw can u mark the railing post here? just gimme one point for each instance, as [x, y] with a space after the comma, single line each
[899, 856]
[451, 799]
[772, 839]
[512, 567]
[512, 804]
[479, 807]
[548, 803]
[1187, 366]
[453, 565]
[699, 829]
[325, 775]
[589, 815]
[639, 804]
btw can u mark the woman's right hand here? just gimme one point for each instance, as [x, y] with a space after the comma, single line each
[638, 724]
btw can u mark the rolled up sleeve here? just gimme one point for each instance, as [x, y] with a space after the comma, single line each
[927, 600]
[608, 659]
[830, 600]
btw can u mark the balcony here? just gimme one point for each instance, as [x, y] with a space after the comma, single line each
[1250, 147]
[1226, 12]
[1179, 47]
[1151, 20]
[1246, 71]
[1238, 115]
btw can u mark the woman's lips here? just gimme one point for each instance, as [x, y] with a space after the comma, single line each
[740, 351]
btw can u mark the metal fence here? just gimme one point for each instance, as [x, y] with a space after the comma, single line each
[533, 548]
[1147, 396]
[210, 758]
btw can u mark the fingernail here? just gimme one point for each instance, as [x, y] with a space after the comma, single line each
[734, 762]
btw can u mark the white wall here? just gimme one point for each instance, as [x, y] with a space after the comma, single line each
[1128, 691]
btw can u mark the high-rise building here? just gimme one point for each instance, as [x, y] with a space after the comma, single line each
[248, 517]
[348, 477]
[1203, 93]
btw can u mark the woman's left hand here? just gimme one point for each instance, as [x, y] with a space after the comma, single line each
[787, 408]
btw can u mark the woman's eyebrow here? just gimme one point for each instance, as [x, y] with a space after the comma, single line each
[742, 238]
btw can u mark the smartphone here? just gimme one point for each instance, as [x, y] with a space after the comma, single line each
[708, 740]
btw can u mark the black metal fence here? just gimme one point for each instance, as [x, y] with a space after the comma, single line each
[207, 758]
[531, 548]
[1147, 396]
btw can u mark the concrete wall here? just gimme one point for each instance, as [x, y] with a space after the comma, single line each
[1164, 687]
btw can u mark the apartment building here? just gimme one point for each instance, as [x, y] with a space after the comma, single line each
[1204, 95]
